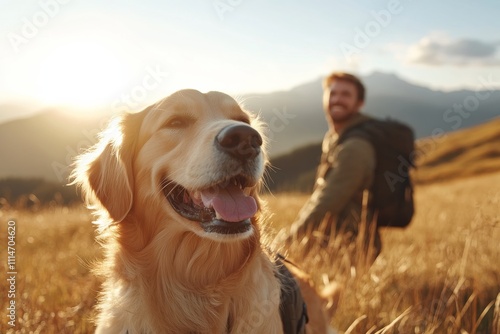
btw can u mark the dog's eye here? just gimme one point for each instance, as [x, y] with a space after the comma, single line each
[177, 122]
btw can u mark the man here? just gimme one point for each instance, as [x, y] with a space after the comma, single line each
[344, 175]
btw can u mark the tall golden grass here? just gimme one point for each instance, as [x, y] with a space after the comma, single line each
[440, 275]
[54, 289]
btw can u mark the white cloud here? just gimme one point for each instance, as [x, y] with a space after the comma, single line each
[439, 49]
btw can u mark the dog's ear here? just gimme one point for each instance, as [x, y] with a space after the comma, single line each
[105, 172]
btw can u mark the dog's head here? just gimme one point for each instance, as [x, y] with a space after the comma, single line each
[192, 160]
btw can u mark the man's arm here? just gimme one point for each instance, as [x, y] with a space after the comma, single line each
[353, 167]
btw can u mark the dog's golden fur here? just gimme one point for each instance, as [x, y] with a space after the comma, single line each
[162, 272]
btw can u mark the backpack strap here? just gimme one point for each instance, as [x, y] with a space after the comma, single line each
[293, 310]
[360, 130]
[373, 130]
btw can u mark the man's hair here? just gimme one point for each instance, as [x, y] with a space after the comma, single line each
[342, 76]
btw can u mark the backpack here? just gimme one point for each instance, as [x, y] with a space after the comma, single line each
[392, 188]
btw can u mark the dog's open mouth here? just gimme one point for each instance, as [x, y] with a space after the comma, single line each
[224, 208]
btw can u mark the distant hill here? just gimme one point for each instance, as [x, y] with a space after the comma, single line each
[467, 152]
[462, 153]
[296, 118]
[32, 193]
[42, 146]
[295, 170]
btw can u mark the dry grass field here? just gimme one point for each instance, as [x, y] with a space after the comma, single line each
[440, 275]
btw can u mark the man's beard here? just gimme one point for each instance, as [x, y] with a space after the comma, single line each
[341, 115]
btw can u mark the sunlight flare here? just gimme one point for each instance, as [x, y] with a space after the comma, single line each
[81, 74]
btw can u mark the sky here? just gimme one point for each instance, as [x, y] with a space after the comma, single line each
[124, 55]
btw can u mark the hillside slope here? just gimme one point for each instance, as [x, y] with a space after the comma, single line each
[458, 154]
[462, 153]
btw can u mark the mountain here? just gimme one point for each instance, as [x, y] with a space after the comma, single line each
[13, 110]
[42, 146]
[457, 154]
[296, 117]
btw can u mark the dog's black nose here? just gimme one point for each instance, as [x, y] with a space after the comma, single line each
[241, 141]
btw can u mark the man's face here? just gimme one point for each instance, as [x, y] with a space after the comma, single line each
[340, 101]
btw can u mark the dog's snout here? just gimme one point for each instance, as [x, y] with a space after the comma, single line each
[241, 141]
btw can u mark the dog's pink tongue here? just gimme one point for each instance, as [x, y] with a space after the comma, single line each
[231, 203]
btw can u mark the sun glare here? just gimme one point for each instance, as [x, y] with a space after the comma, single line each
[81, 74]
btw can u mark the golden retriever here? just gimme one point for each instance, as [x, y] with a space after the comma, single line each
[175, 191]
